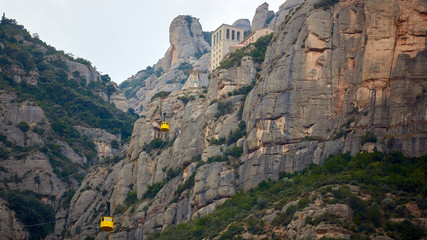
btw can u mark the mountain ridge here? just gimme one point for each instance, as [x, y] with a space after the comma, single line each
[320, 88]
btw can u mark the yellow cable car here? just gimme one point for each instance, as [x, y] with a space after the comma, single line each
[107, 224]
[164, 126]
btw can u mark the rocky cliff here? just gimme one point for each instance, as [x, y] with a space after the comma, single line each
[56, 119]
[337, 78]
[341, 78]
[332, 76]
[188, 51]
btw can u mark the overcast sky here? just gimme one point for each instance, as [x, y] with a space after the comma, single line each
[121, 37]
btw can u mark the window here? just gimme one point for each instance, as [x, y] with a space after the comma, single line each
[232, 35]
[220, 33]
[238, 36]
[214, 42]
[228, 33]
[102, 219]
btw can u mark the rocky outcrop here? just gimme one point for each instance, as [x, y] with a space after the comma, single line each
[188, 51]
[106, 144]
[330, 76]
[283, 12]
[322, 80]
[84, 73]
[10, 227]
[262, 17]
[186, 39]
[243, 23]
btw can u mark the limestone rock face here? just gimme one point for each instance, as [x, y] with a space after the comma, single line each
[284, 10]
[90, 201]
[329, 77]
[188, 51]
[335, 74]
[186, 39]
[118, 99]
[103, 140]
[10, 227]
[262, 17]
[86, 73]
[243, 23]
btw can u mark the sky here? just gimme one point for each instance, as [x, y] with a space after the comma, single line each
[121, 37]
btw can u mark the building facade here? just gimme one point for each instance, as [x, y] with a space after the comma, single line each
[222, 38]
[255, 35]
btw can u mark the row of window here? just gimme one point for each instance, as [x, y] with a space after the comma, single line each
[218, 36]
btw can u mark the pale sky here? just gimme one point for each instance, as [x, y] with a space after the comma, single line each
[121, 37]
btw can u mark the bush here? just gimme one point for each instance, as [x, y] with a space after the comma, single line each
[32, 212]
[258, 53]
[185, 66]
[215, 141]
[161, 94]
[156, 143]
[185, 100]
[234, 151]
[368, 137]
[325, 4]
[131, 198]
[188, 184]
[170, 174]
[152, 190]
[115, 144]
[223, 107]
[24, 126]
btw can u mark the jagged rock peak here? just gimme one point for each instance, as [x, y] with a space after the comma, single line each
[243, 23]
[262, 17]
[186, 39]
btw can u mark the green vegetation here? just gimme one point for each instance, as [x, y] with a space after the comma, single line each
[24, 126]
[185, 66]
[223, 107]
[188, 184]
[368, 137]
[208, 37]
[185, 99]
[257, 53]
[31, 212]
[233, 136]
[130, 87]
[156, 143]
[67, 101]
[131, 198]
[219, 141]
[152, 190]
[161, 94]
[377, 174]
[325, 4]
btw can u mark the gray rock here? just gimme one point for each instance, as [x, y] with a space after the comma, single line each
[10, 227]
[261, 17]
[243, 23]
[186, 38]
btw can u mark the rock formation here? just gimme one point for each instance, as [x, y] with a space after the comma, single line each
[348, 77]
[243, 23]
[320, 90]
[186, 39]
[188, 50]
[284, 10]
[262, 17]
[331, 76]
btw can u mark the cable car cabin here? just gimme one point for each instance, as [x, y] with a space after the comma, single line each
[107, 224]
[164, 126]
